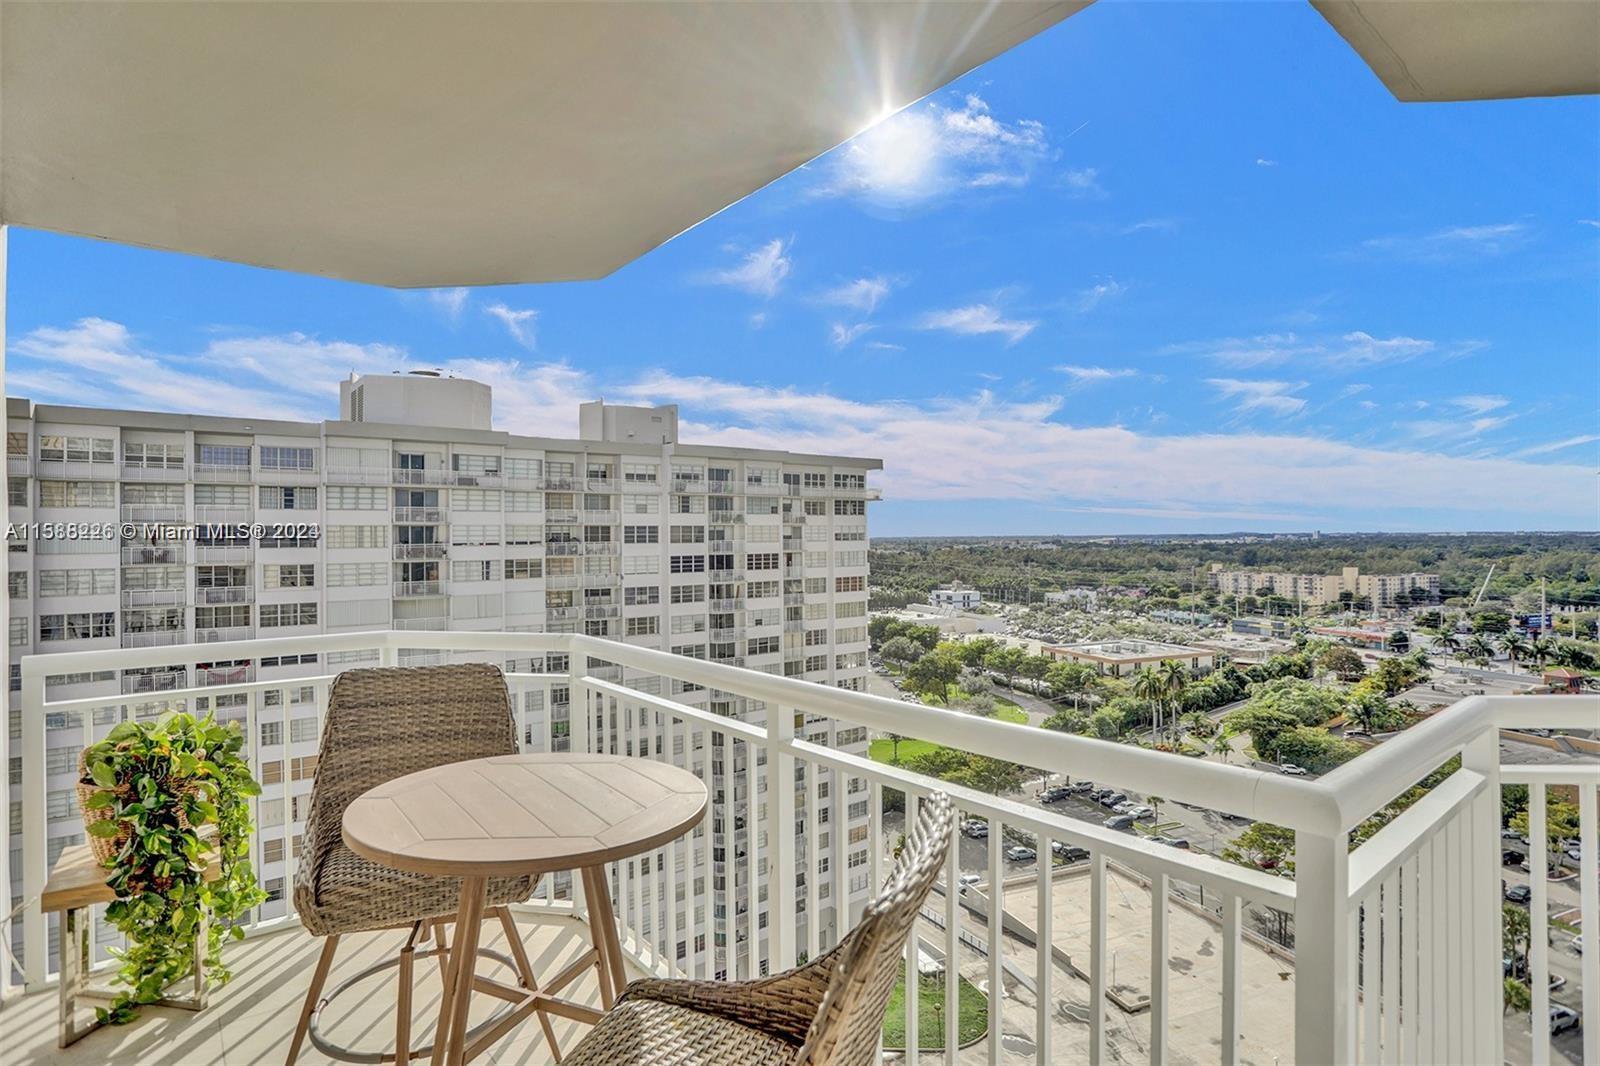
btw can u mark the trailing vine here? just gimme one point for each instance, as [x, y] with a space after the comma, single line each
[163, 782]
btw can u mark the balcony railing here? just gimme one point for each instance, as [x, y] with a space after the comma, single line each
[168, 681]
[225, 594]
[409, 515]
[403, 589]
[155, 554]
[154, 597]
[419, 551]
[222, 634]
[153, 512]
[563, 547]
[212, 472]
[1397, 943]
[152, 638]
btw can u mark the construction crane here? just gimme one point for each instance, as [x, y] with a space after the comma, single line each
[1479, 598]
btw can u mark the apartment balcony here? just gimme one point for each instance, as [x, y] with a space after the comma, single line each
[564, 547]
[408, 589]
[152, 638]
[561, 484]
[603, 611]
[174, 554]
[488, 480]
[212, 676]
[418, 515]
[794, 599]
[214, 473]
[1142, 951]
[401, 476]
[602, 484]
[419, 551]
[154, 512]
[736, 604]
[155, 597]
[222, 634]
[683, 485]
[356, 475]
[725, 634]
[600, 517]
[225, 594]
[563, 581]
[431, 623]
[601, 547]
[223, 515]
[167, 681]
[724, 575]
[224, 553]
[561, 518]
[18, 466]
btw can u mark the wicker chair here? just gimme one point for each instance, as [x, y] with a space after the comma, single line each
[383, 724]
[828, 1012]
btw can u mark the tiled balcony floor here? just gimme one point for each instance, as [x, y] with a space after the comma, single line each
[252, 1018]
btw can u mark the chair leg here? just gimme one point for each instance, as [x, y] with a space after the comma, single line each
[318, 978]
[531, 983]
[402, 1017]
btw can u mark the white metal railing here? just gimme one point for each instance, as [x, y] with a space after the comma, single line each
[418, 588]
[431, 515]
[210, 594]
[1397, 942]
[419, 551]
[154, 597]
[153, 512]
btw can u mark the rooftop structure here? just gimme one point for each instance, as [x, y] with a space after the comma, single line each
[1120, 657]
[1322, 590]
[955, 596]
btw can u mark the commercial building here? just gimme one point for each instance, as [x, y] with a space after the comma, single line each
[1320, 590]
[1120, 658]
[410, 512]
[956, 596]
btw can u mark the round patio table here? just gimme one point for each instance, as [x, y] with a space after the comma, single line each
[516, 816]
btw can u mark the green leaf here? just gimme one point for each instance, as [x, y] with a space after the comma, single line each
[100, 801]
[103, 774]
[106, 828]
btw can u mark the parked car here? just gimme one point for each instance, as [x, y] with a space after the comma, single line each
[1018, 853]
[1110, 801]
[968, 880]
[1535, 732]
[1141, 813]
[1173, 842]
[1562, 1019]
[1100, 794]
[1119, 821]
[1068, 852]
[1510, 834]
[1577, 943]
[1519, 894]
[1054, 795]
[1291, 769]
[1081, 788]
[975, 829]
[1510, 858]
[1557, 982]
[1126, 807]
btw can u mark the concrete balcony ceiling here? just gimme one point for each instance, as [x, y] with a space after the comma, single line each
[444, 144]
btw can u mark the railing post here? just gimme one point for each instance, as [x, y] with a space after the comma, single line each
[578, 722]
[780, 835]
[1481, 755]
[1323, 1011]
[35, 825]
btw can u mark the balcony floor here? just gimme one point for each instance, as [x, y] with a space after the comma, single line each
[252, 1018]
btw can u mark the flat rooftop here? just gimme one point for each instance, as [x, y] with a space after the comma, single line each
[1131, 649]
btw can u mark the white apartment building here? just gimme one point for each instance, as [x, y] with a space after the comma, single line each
[1319, 590]
[1123, 658]
[410, 512]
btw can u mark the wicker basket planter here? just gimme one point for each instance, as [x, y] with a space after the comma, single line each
[105, 849]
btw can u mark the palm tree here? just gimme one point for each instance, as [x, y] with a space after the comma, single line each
[1480, 648]
[1174, 676]
[1515, 645]
[1447, 641]
[1541, 649]
[1149, 685]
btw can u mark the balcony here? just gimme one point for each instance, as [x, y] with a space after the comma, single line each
[154, 597]
[224, 553]
[415, 515]
[601, 547]
[155, 554]
[406, 476]
[217, 473]
[152, 638]
[222, 634]
[154, 512]
[1155, 951]
[166, 681]
[407, 589]
[225, 594]
[600, 517]
[419, 551]
[564, 547]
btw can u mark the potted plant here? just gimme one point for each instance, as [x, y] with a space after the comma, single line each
[160, 799]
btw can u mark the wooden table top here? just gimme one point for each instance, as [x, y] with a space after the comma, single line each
[516, 815]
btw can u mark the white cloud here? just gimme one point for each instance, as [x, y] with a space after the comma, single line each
[932, 151]
[1556, 446]
[1452, 242]
[978, 319]
[518, 323]
[842, 335]
[1353, 389]
[1273, 397]
[1260, 162]
[885, 346]
[1150, 225]
[1454, 429]
[758, 320]
[1595, 222]
[1093, 375]
[759, 273]
[1350, 350]
[448, 302]
[1083, 183]
[1480, 404]
[1100, 291]
[862, 294]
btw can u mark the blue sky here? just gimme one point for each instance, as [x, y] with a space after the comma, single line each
[1163, 267]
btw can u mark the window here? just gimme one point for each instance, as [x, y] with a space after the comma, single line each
[18, 637]
[849, 507]
[688, 534]
[157, 456]
[77, 582]
[295, 576]
[227, 616]
[280, 458]
[287, 614]
[478, 465]
[647, 626]
[641, 564]
[272, 850]
[639, 472]
[641, 595]
[17, 585]
[86, 625]
[358, 536]
[475, 500]
[633, 503]
[17, 444]
[521, 534]
[814, 481]
[523, 501]
[850, 482]
[269, 812]
[641, 534]
[77, 494]
[17, 492]
[764, 646]
[761, 561]
[850, 558]
[475, 570]
[355, 498]
[850, 584]
[288, 497]
[688, 564]
[524, 569]
[224, 454]
[523, 469]
[344, 575]
[302, 730]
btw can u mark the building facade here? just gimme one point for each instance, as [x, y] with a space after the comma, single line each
[1321, 590]
[410, 512]
[1120, 658]
[955, 597]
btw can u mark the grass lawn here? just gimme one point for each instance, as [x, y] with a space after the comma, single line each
[882, 749]
[930, 1014]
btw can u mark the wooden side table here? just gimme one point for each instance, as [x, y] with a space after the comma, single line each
[521, 815]
[78, 882]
